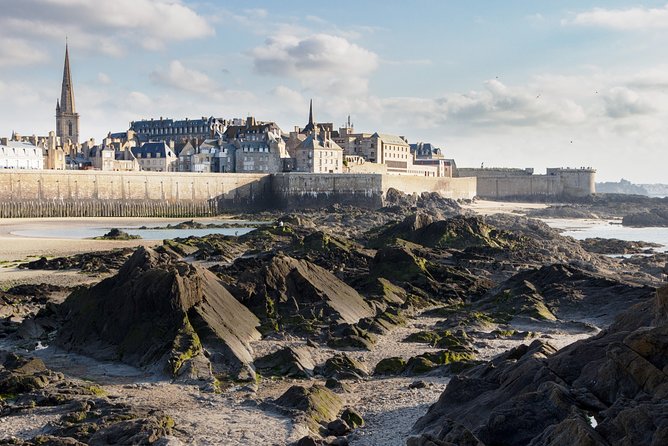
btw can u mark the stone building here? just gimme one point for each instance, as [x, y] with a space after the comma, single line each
[155, 157]
[67, 118]
[20, 155]
[260, 147]
[318, 153]
[178, 131]
[115, 153]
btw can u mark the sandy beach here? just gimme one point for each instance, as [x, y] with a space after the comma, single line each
[15, 247]
[485, 207]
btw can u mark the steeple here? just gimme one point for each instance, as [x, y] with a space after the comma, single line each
[310, 113]
[311, 124]
[67, 92]
[67, 118]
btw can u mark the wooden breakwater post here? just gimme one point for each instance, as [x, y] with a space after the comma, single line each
[108, 208]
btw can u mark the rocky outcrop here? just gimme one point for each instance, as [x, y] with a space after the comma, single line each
[297, 294]
[85, 416]
[617, 246]
[651, 218]
[160, 312]
[561, 291]
[95, 262]
[458, 232]
[295, 362]
[610, 389]
[313, 406]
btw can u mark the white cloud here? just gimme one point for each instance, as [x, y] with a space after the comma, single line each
[182, 78]
[319, 61]
[109, 27]
[636, 18]
[103, 79]
[16, 52]
[622, 102]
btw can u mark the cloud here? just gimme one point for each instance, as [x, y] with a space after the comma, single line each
[109, 27]
[637, 18]
[16, 52]
[103, 79]
[178, 76]
[318, 61]
[622, 102]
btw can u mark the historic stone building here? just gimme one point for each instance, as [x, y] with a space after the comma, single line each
[178, 131]
[20, 155]
[318, 153]
[156, 157]
[67, 118]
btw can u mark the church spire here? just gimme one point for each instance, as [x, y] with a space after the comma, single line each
[310, 113]
[311, 124]
[67, 92]
[67, 118]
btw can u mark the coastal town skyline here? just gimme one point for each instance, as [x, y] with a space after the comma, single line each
[523, 114]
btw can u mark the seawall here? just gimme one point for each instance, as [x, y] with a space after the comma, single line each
[518, 184]
[152, 194]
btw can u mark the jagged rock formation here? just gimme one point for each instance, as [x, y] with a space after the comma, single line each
[561, 291]
[651, 218]
[611, 389]
[289, 293]
[160, 312]
[85, 415]
[458, 232]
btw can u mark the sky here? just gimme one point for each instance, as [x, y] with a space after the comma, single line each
[518, 83]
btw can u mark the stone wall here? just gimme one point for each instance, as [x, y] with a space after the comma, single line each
[304, 190]
[455, 188]
[499, 184]
[154, 194]
[99, 193]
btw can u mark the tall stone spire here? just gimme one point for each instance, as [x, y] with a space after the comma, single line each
[67, 118]
[311, 124]
[67, 91]
[310, 113]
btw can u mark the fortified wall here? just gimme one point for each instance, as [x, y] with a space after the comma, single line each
[557, 183]
[49, 193]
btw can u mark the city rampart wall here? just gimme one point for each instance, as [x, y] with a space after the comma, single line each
[499, 184]
[154, 194]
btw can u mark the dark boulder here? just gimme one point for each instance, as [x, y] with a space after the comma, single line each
[158, 311]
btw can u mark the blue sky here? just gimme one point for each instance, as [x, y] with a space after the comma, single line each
[512, 83]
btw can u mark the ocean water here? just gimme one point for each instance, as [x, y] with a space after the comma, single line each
[582, 229]
[146, 234]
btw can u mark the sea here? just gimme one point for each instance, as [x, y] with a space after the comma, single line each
[581, 229]
[148, 233]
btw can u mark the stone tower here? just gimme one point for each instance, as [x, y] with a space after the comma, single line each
[67, 118]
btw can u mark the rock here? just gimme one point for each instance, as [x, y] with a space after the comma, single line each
[297, 294]
[160, 312]
[117, 234]
[338, 427]
[336, 385]
[390, 366]
[313, 406]
[20, 374]
[653, 218]
[294, 362]
[460, 232]
[342, 366]
[352, 418]
[560, 290]
[616, 246]
[308, 441]
[417, 385]
[534, 395]
[102, 261]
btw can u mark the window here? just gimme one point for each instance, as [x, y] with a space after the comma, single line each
[69, 127]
